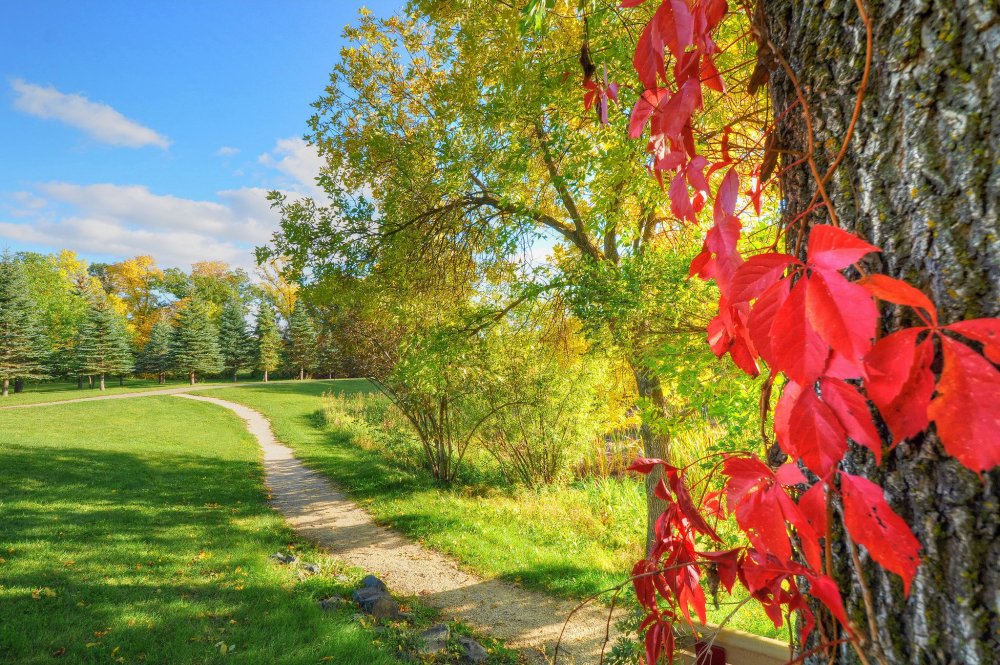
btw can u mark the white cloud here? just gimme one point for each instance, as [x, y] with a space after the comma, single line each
[119, 221]
[100, 121]
[227, 151]
[296, 158]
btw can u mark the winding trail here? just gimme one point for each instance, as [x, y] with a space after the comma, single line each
[154, 392]
[319, 510]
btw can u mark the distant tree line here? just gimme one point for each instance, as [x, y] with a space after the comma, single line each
[64, 319]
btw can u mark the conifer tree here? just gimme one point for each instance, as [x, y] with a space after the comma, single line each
[301, 340]
[268, 340]
[195, 344]
[103, 346]
[156, 357]
[235, 343]
[22, 350]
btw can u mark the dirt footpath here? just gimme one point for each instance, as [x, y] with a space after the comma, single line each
[317, 509]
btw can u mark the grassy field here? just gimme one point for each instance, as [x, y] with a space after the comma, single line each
[572, 541]
[127, 535]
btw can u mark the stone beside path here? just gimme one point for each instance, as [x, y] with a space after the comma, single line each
[526, 620]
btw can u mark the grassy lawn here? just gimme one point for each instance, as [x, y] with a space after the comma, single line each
[572, 541]
[137, 531]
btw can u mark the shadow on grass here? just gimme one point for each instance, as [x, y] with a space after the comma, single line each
[116, 557]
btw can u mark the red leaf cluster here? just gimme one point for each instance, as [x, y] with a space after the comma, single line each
[815, 325]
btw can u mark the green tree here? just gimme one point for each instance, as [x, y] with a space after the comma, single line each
[302, 340]
[268, 340]
[454, 168]
[22, 342]
[103, 346]
[157, 357]
[235, 343]
[195, 345]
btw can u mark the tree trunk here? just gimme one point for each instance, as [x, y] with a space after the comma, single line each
[192, 378]
[655, 442]
[302, 373]
[921, 180]
[160, 378]
[121, 381]
[265, 376]
[18, 385]
[90, 381]
[234, 375]
[6, 388]
[102, 382]
[79, 382]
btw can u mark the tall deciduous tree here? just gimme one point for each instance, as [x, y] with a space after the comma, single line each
[22, 344]
[156, 357]
[268, 340]
[103, 345]
[302, 340]
[455, 168]
[195, 345]
[235, 343]
[136, 283]
[919, 179]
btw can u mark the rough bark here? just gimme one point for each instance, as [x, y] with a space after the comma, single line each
[6, 387]
[192, 378]
[655, 443]
[921, 180]
[102, 382]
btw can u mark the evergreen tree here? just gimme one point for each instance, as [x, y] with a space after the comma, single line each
[268, 340]
[156, 357]
[22, 349]
[195, 344]
[235, 343]
[103, 346]
[301, 340]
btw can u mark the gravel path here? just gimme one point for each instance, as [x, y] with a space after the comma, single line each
[138, 393]
[317, 509]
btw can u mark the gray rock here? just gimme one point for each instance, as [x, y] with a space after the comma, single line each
[284, 557]
[311, 568]
[372, 582]
[385, 607]
[366, 597]
[332, 603]
[435, 639]
[342, 579]
[472, 651]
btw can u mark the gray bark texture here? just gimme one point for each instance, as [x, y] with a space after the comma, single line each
[655, 444]
[922, 181]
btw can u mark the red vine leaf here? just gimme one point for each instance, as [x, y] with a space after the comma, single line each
[872, 523]
[900, 382]
[758, 274]
[831, 248]
[796, 347]
[844, 315]
[899, 292]
[762, 318]
[984, 331]
[815, 434]
[646, 464]
[851, 410]
[826, 591]
[966, 410]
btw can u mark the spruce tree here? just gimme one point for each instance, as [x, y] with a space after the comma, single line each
[235, 343]
[268, 340]
[22, 348]
[156, 357]
[301, 340]
[103, 346]
[195, 347]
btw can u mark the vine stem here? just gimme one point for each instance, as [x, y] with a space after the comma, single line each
[866, 594]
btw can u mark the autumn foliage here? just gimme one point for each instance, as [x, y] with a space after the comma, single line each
[815, 321]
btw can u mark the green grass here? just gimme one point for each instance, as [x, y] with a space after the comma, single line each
[137, 531]
[572, 541]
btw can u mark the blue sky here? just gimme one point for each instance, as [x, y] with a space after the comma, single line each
[156, 127]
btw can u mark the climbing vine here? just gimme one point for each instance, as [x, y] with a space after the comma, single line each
[810, 318]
